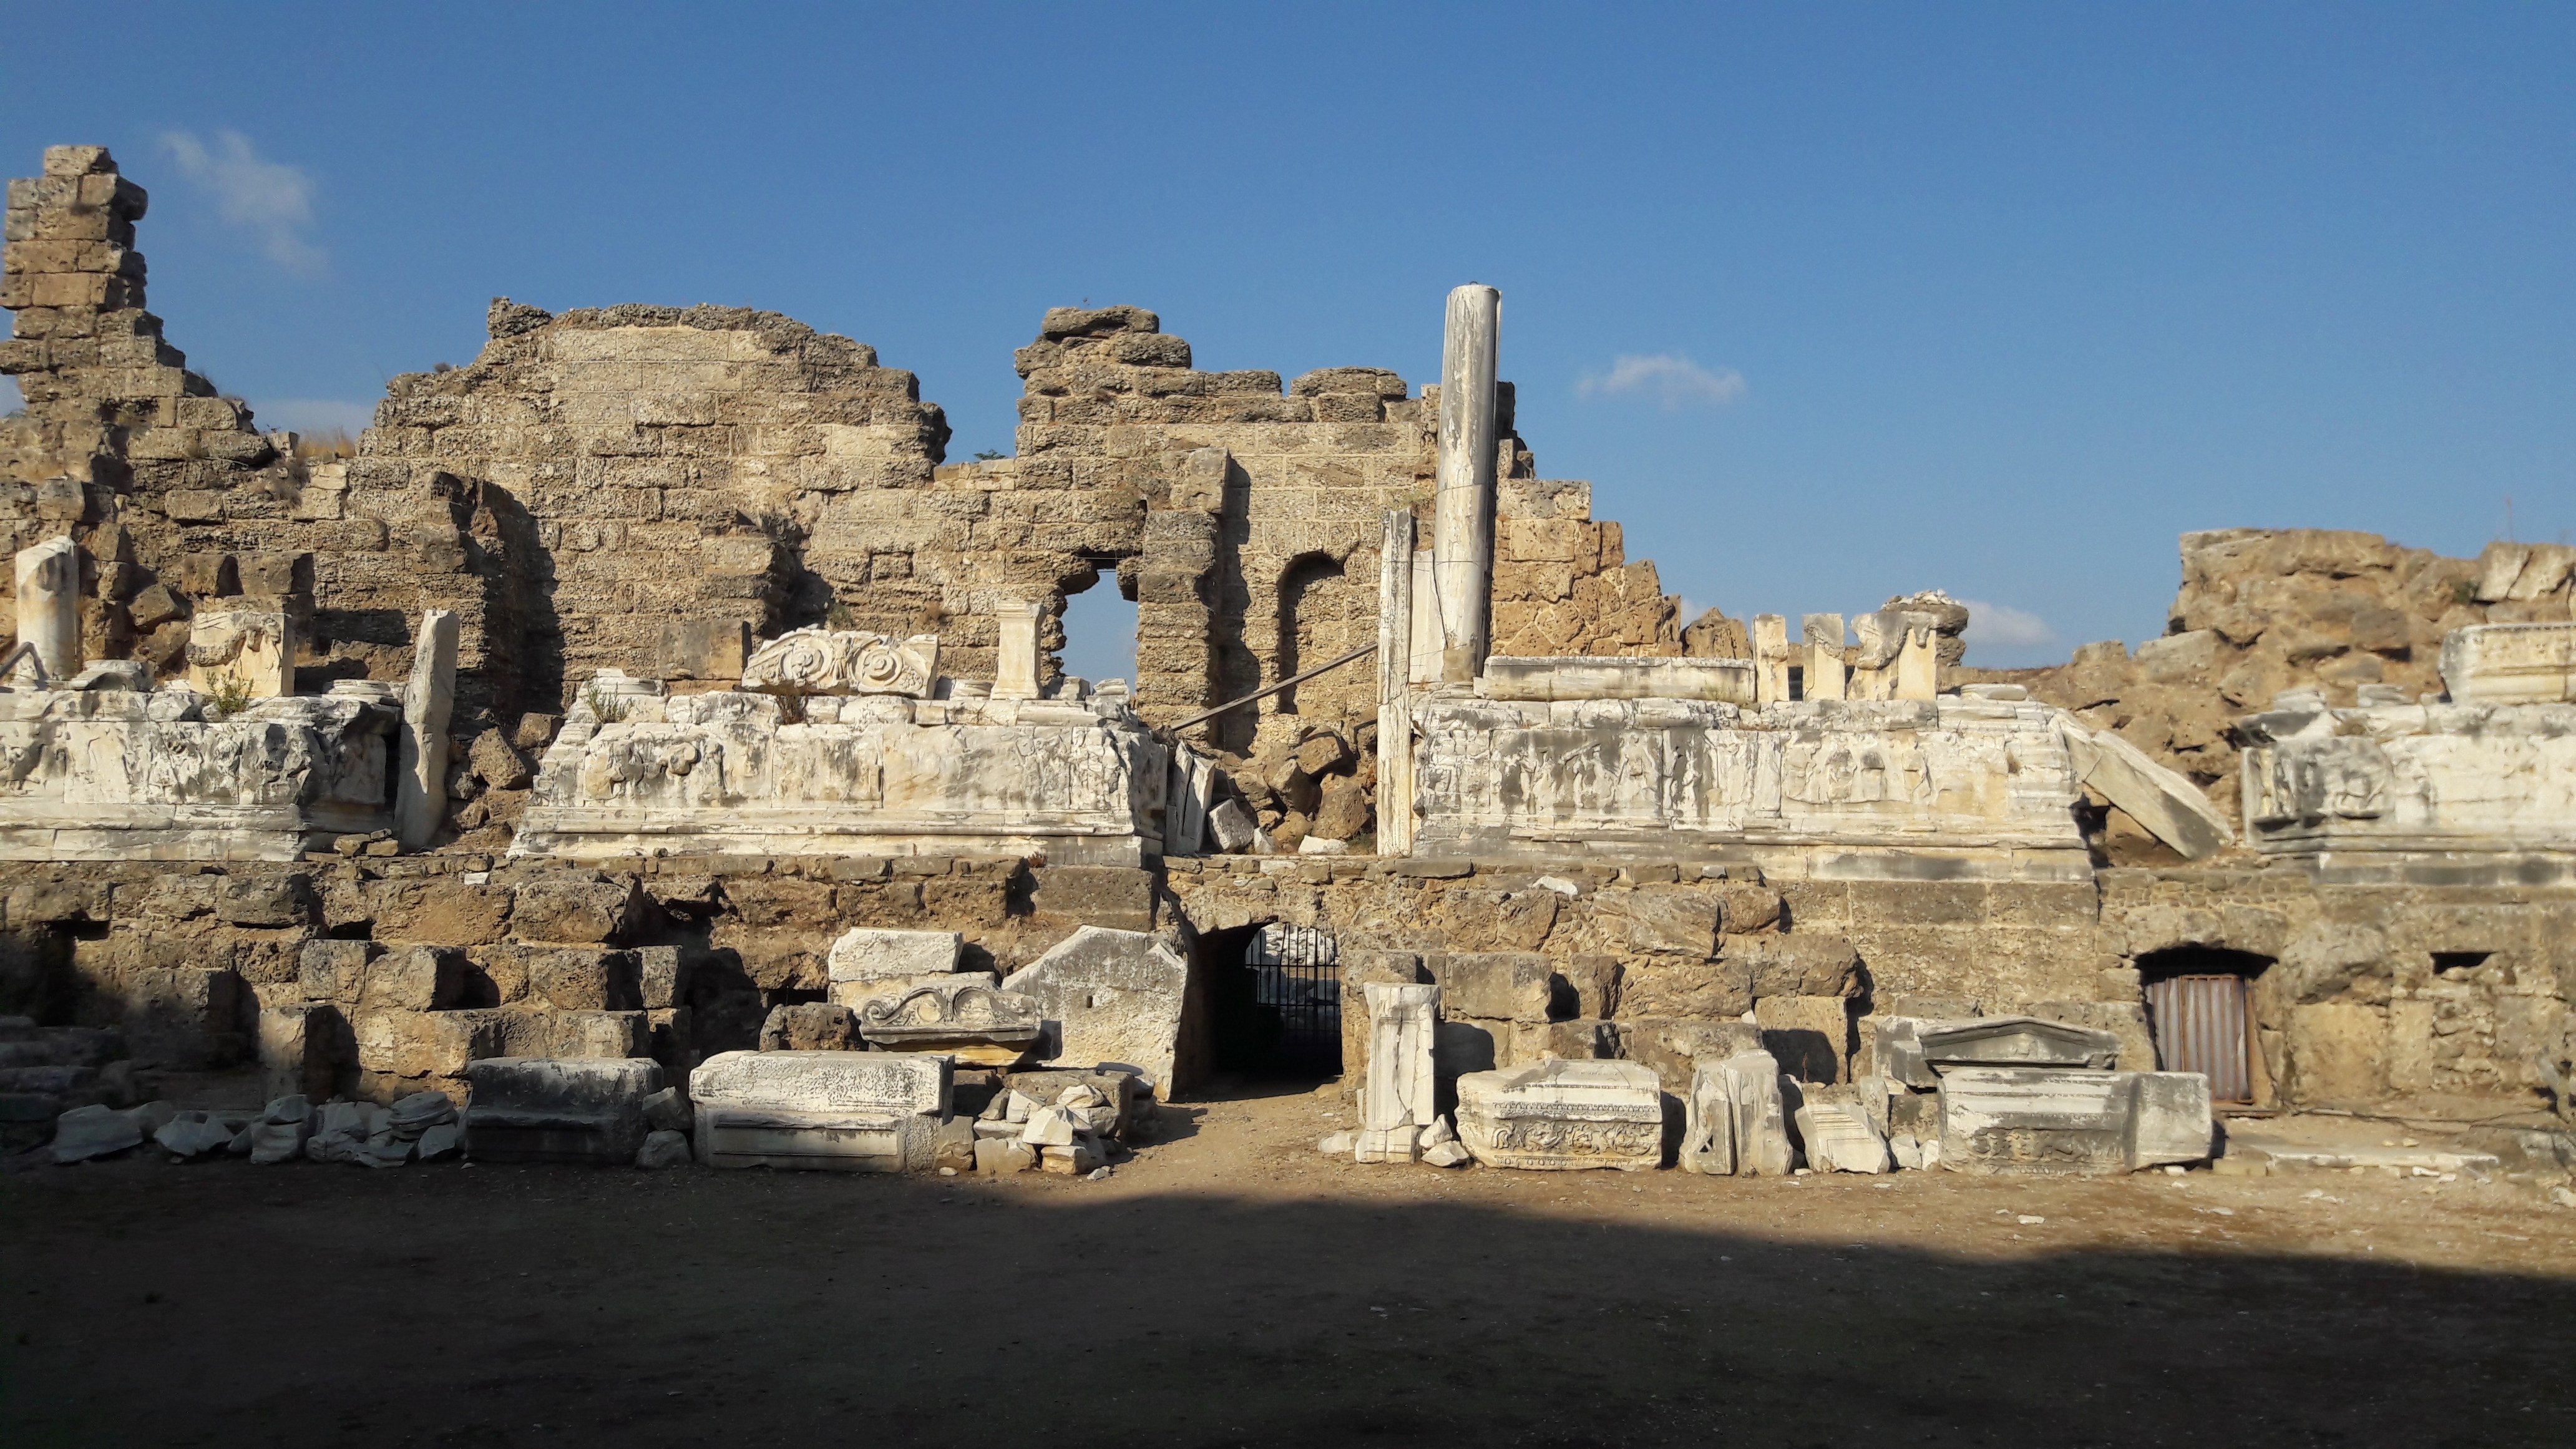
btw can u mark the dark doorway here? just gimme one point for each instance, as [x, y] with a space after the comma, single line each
[2200, 1009]
[1273, 1002]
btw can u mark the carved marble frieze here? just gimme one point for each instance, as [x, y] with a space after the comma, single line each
[2449, 779]
[123, 774]
[832, 661]
[1670, 777]
[735, 771]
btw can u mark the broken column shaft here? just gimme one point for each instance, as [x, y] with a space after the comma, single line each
[1462, 537]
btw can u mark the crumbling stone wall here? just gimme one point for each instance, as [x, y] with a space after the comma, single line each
[2264, 610]
[172, 492]
[2365, 993]
[1563, 583]
[663, 476]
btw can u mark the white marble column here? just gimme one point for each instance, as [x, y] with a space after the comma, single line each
[429, 698]
[1462, 536]
[1395, 686]
[49, 608]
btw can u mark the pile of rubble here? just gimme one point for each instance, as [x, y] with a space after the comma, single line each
[1981, 1094]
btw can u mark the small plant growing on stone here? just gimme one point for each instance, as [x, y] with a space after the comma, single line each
[838, 616]
[607, 708]
[2463, 592]
[989, 455]
[232, 695]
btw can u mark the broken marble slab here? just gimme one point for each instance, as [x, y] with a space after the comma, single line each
[2071, 1120]
[1397, 1102]
[966, 1018]
[1708, 1124]
[839, 1111]
[663, 1148]
[866, 953]
[1113, 998]
[1560, 1115]
[548, 1109]
[1839, 1137]
[1762, 1145]
[96, 1130]
[1916, 1052]
[193, 1134]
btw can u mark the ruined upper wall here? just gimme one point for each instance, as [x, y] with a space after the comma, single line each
[1263, 518]
[661, 472]
[2264, 610]
[172, 492]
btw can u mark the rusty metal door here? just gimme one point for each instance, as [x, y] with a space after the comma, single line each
[2199, 1024]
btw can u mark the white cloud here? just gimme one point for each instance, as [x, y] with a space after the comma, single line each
[314, 416]
[270, 198]
[1674, 381]
[2008, 628]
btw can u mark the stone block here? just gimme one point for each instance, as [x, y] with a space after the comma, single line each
[415, 978]
[1665, 987]
[2073, 1121]
[595, 1035]
[1563, 1115]
[536, 1109]
[1495, 985]
[587, 979]
[332, 970]
[1403, 1023]
[703, 649]
[1800, 965]
[661, 976]
[560, 909]
[1115, 998]
[1840, 1137]
[1809, 1035]
[869, 954]
[1675, 1047]
[305, 1049]
[1670, 921]
[845, 1111]
[266, 901]
[1751, 1081]
[1708, 1124]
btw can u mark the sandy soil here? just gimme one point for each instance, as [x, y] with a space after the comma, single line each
[1232, 1287]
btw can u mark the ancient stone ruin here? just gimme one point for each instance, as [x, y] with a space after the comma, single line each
[646, 747]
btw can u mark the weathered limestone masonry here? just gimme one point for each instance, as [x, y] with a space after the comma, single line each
[2265, 610]
[1258, 553]
[651, 691]
[663, 476]
[176, 500]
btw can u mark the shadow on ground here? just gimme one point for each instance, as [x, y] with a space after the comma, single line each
[228, 1305]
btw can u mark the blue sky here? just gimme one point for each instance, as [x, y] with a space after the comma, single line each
[1829, 302]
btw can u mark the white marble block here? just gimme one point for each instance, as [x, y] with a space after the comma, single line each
[1114, 997]
[1557, 1115]
[835, 1110]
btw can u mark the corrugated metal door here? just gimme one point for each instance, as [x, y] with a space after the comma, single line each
[2199, 1023]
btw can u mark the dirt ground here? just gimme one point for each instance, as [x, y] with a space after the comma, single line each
[1230, 1286]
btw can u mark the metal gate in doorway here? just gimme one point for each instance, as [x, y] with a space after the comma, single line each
[1297, 972]
[2200, 1026]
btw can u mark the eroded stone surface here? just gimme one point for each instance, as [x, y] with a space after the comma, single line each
[1560, 1114]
